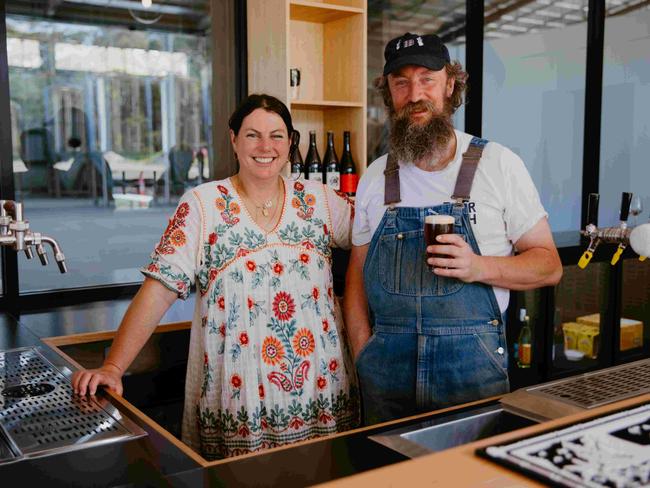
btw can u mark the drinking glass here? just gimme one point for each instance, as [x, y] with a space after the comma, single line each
[636, 207]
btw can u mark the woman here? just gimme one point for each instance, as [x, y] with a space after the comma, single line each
[267, 363]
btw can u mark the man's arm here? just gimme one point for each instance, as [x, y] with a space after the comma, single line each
[536, 263]
[355, 303]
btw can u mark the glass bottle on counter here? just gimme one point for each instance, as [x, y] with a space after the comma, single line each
[524, 343]
[349, 177]
[313, 164]
[558, 336]
[331, 175]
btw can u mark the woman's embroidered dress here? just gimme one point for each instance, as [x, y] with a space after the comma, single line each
[268, 364]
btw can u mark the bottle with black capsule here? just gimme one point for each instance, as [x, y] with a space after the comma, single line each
[313, 161]
[331, 175]
[297, 163]
[349, 176]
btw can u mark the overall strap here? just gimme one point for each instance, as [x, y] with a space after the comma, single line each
[391, 181]
[467, 171]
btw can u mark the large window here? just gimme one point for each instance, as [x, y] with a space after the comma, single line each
[533, 98]
[110, 125]
[625, 134]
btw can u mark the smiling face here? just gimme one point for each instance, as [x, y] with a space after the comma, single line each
[262, 145]
[412, 85]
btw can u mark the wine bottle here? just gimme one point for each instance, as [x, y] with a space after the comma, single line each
[297, 165]
[313, 162]
[331, 175]
[349, 177]
[525, 347]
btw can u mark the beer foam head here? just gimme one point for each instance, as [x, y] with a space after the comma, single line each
[439, 219]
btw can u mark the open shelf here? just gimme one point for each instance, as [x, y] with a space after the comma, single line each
[320, 12]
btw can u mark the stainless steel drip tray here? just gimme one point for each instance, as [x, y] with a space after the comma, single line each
[40, 415]
[454, 429]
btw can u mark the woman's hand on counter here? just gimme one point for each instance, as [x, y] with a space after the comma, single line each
[86, 381]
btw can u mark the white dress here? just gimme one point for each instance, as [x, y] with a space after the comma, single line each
[268, 363]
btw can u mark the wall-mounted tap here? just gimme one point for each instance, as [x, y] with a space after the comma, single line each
[637, 237]
[14, 232]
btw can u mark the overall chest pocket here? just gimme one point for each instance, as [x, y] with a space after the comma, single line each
[403, 269]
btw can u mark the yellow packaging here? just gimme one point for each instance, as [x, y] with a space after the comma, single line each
[589, 340]
[570, 330]
[593, 319]
[631, 334]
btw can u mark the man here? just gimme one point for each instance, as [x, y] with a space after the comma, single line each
[424, 340]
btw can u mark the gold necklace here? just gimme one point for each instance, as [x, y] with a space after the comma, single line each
[263, 207]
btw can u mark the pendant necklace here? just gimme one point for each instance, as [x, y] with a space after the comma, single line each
[265, 207]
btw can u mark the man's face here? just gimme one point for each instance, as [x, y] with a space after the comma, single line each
[412, 84]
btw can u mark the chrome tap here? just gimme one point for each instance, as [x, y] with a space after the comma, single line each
[14, 232]
[637, 237]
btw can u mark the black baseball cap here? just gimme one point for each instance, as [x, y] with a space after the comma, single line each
[426, 50]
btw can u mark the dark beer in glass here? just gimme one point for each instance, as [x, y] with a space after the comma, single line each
[434, 225]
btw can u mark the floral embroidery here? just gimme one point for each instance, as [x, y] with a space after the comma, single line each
[236, 382]
[304, 203]
[227, 206]
[207, 375]
[303, 342]
[283, 306]
[298, 354]
[272, 351]
[174, 236]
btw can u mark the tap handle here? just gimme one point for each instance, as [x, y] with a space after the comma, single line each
[626, 199]
[592, 209]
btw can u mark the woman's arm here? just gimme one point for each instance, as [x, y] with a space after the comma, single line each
[141, 318]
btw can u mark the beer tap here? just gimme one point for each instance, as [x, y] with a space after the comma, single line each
[591, 230]
[638, 237]
[626, 199]
[15, 232]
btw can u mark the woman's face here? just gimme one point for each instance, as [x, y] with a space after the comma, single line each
[262, 145]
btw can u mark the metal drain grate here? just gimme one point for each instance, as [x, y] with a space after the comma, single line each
[39, 412]
[600, 387]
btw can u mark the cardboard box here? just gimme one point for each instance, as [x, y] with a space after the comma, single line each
[571, 330]
[631, 334]
[589, 340]
[593, 319]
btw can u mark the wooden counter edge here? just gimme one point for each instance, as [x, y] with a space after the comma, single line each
[461, 467]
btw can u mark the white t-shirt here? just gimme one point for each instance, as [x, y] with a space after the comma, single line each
[504, 202]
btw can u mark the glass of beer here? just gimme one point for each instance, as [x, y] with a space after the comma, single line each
[434, 225]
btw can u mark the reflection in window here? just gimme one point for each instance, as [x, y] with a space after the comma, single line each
[98, 113]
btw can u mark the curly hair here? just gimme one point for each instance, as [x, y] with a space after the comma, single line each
[454, 70]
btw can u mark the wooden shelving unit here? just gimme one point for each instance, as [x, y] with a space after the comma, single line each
[327, 42]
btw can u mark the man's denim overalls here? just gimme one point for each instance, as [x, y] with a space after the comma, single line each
[436, 341]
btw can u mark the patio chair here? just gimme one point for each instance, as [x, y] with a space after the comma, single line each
[37, 152]
[180, 160]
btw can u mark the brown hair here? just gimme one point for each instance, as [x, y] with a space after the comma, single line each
[454, 70]
[255, 101]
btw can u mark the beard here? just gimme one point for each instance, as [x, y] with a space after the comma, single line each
[421, 143]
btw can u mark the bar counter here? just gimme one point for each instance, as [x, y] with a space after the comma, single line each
[347, 459]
